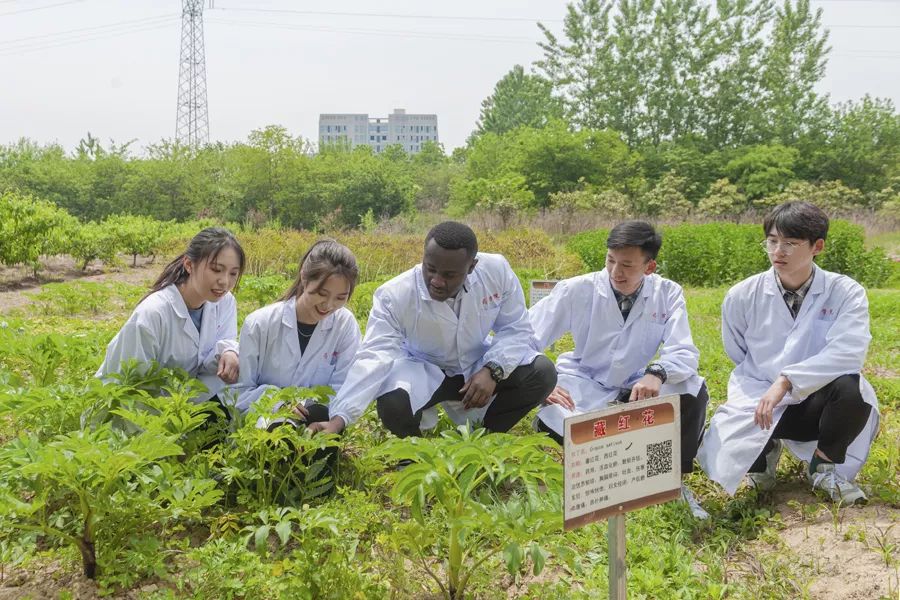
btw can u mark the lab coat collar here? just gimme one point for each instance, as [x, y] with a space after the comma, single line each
[605, 289]
[175, 299]
[423, 290]
[289, 316]
[770, 285]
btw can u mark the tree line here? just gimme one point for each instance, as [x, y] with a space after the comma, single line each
[640, 107]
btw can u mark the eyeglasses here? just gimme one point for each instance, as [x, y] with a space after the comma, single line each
[771, 247]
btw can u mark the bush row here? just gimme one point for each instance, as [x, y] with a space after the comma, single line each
[714, 254]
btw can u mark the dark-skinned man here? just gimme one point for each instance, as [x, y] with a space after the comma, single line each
[452, 331]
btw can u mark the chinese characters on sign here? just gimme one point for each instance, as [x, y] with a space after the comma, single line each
[621, 458]
[540, 290]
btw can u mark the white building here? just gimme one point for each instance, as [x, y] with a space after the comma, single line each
[410, 131]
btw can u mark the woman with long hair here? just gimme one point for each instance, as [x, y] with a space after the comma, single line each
[188, 319]
[308, 338]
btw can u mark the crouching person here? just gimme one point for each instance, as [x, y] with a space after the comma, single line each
[620, 318]
[798, 336]
[452, 331]
[306, 339]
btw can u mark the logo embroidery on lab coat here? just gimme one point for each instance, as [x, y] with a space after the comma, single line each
[825, 314]
[490, 299]
[331, 358]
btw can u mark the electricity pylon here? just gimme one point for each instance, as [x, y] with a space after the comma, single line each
[192, 126]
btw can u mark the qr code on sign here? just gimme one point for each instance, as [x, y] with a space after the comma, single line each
[659, 458]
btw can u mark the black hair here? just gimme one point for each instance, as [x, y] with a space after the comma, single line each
[324, 259]
[206, 245]
[800, 220]
[640, 234]
[452, 235]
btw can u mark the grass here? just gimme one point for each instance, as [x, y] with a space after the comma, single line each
[669, 554]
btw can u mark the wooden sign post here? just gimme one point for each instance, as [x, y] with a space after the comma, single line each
[619, 459]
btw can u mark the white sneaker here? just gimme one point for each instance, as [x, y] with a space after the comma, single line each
[765, 481]
[827, 479]
[696, 508]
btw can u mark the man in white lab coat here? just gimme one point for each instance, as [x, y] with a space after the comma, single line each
[620, 318]
[798, 336]
[453, 331]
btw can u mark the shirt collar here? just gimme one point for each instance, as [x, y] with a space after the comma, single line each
[632, 296]
[801, 291]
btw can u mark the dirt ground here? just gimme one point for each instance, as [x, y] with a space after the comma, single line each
[849, 554]
[17, 282]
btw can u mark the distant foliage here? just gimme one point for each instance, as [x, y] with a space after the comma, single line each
[715, 254]
[31, 228]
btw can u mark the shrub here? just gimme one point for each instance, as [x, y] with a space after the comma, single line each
[723, 200]
[712, 254]
[667, 198]
[590, 246]
[845, 252]
[715, 254]
[31, 228]
[94, 241]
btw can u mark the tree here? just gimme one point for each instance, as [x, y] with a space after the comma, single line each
[863, 145]
[793, 64]
[518, 100]
[31, 228]
[666, 198]
[760, 171]
[723, 200]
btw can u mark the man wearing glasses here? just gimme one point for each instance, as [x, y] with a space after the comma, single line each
[798, 337]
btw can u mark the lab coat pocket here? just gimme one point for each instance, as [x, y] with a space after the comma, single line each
[488, 315]
[819, 331]
[323, 373]
[653, 337]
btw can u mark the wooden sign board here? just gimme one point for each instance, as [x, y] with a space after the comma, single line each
[621, 458]
[540, 290]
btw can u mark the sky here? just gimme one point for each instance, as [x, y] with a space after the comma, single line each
[110, 67]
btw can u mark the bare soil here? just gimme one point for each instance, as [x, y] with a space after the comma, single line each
[850, 554]
[16, 283]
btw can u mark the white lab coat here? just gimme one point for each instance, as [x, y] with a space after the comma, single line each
[412, 342]
[829, 338]
[610, 353]
[160, 329]
[271, 357]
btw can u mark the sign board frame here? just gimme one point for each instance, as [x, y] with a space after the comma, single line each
[540, 289]
[605, 459]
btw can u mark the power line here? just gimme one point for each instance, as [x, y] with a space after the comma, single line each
[16, 41]
[385, 15]
[37, 46]
[379, 32]
[25, 10]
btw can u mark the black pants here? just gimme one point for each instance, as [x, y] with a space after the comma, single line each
[834, 416]
[526, 387]
[693, 421]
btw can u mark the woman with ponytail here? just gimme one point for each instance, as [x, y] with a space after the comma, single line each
[308, 338]
[188, 319]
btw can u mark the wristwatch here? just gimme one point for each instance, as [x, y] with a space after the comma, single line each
[656, 370]
[495, 370]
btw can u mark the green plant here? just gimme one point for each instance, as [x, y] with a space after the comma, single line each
[885, 544]
[461, 492]
[282, 465]
[84, 486]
